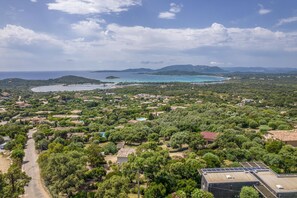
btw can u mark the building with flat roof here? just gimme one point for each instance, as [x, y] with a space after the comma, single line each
[279, 185]
[227, 182]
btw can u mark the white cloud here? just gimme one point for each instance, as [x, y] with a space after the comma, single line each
[263, 11]
[12, 34]
[167, 15]
[92, 6]
[115, 44]
[33, 1]
[143, 38]
[139, 38]
[88, 27]
[286, 21]
[216, 63]
[174, 9]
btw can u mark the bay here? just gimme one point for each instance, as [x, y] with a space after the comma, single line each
[130, 77]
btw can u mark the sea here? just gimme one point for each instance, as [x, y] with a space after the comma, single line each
[132, 77]
[126, 77]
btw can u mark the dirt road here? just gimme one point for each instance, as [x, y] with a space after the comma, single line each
[35, 189]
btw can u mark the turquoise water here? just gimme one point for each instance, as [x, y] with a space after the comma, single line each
[123, 76]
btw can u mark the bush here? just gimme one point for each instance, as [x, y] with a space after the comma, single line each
[110, 148]
[1, 140]
[283, 127]
[248, 192]
[264, 128]
[253, 124]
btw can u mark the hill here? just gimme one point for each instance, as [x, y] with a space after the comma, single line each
[175, 70]
[272, 70]
[192, 68]
[17, 83]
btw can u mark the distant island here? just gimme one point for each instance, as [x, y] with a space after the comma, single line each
[111, 77]
[18, 83]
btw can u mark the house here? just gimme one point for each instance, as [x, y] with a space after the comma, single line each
[123, 154]
[5, 94]
[209, 137]
[133, 121]
[177, 107]
[2, 110]
[22, 104]
[120, 145]
[288, 137]
[77, 112]
[6, 139]
[158, 113]
[227, 182]
[64, 116]
[76, 134]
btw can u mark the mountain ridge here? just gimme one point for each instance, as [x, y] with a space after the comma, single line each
[201, 69]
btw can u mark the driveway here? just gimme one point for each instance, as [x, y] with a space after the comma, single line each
[35, 189]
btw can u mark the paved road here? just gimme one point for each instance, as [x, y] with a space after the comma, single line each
[35, 189]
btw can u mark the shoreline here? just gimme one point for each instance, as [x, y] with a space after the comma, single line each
[106, 86]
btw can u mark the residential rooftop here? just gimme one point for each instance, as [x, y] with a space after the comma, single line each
[210, 136]
[266, 181]
[278, 183]
[285, 136]
[229, 177]
[124, 152]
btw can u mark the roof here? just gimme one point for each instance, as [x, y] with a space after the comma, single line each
[124, 152]
[209, 135]
[285, 136]
[229, 177]
[289, 183]
[120, 145]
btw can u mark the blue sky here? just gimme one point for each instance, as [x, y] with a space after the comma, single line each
[48, 35]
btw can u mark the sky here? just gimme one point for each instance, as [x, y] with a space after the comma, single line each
[51, 35]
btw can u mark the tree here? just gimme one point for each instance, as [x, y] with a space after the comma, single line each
[18, 154]
[212, 160]
[42, 144]
[186, 185]
[96, 173]
[253, 124]
[196, 141]
[13, 182]
[110, 147]
[148, 162]
[288, 157]
[1, 140]
[178, 139]
[155, 190]
[248, 192]
[179, 194]
[167, 132]
[154, 137]
[273, 146]
[198, 193]
[63, 172]
[115, 186]
[94, 153]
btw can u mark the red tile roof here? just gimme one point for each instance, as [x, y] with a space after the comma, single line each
[209, 136]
